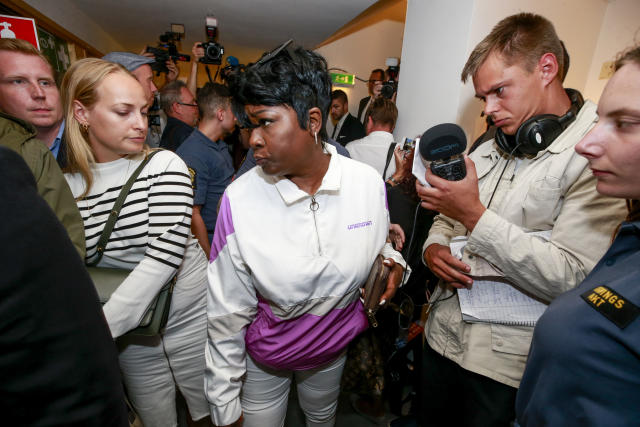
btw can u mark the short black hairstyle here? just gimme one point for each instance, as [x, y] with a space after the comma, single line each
[339, 94]
[296, 78]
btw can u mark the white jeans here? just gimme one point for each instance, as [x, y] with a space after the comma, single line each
[265, 394]
[152, 367]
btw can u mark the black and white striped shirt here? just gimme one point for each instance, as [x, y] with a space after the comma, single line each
[150, 235]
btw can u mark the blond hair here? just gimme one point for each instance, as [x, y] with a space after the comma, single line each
[24, 47]
[382, 111]
[81, 84]
[523, 37]
[629, 56]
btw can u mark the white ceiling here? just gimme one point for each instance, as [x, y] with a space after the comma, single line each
[258, 24]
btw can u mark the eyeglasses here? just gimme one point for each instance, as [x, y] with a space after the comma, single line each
[188, 105]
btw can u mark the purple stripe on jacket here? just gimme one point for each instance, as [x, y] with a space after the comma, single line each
[224, 227]
[306, 342]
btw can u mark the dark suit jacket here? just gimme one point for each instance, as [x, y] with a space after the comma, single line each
[351, 130]
[58, 363]
[361, 112]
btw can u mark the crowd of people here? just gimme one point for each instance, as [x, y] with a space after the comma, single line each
[268, 241]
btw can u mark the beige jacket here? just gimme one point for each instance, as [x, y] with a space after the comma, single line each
[553, 191]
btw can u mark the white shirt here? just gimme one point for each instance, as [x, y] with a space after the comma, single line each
[336, 129]
[372, 150]
[363, 113]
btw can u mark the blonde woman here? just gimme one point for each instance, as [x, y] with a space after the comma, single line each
[106, 120]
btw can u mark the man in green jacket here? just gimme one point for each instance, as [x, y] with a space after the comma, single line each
[20, 136]
[28, 91]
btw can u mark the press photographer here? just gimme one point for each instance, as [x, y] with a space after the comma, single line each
[210, 52]
[374, 84]
[213, 51]
[390, 86]
[167, 51]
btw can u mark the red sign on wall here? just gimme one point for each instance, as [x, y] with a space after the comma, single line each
[15, 27]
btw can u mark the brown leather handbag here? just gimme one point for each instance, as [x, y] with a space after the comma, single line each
[374, 287]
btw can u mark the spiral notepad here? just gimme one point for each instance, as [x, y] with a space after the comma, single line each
[491, 299]
[496, 302]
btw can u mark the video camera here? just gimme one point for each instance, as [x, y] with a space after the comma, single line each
[213, 51]
[166, 50]
[391, 85]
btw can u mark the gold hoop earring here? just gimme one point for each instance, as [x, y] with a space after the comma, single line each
[315, 135]
[85, 126]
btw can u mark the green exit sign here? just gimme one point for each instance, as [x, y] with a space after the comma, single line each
[343, 79]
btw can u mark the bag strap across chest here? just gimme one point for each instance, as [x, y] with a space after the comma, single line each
[115, 211]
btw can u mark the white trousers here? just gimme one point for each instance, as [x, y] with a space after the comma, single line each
[265, 394]
[152, 367]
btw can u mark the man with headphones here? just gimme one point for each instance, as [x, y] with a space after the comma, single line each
[526, 183]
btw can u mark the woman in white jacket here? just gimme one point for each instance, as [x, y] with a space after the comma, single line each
[294, 241]
[106, 125]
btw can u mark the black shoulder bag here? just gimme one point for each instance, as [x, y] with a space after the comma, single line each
[106, 280]
[389, 155]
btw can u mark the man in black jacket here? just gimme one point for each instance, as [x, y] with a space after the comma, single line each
[181, 109]
[58, 363]
[374, 85]
[347, 128]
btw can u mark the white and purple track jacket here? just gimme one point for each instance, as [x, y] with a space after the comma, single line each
[283, 279]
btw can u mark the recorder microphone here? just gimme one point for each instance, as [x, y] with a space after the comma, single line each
[443, 145]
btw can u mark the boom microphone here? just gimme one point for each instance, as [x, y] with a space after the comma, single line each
[443, 145]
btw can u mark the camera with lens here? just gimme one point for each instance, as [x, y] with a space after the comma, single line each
[390, 86]
[213, 51]
[167, 50]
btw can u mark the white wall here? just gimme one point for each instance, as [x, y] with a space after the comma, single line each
[577, 22]
[439, 35]
[620, 30]
[434, 51]
[72, 19]
[363, 51]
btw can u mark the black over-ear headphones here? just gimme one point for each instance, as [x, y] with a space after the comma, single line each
[537, 133]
